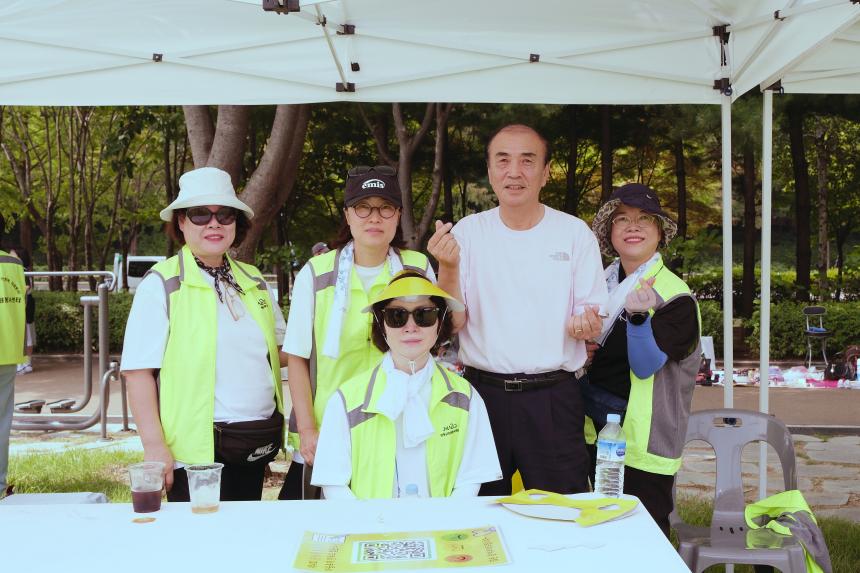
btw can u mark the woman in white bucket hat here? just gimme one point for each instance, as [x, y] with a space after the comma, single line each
[209, 328]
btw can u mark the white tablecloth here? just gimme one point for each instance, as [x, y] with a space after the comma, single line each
[244, 537]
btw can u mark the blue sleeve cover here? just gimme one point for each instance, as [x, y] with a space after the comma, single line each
[644, 355]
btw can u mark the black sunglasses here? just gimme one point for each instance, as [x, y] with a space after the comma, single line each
[364, 169]
[201, 215]
[397, 317]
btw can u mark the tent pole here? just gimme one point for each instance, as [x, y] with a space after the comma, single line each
[728, 332]
[764, 328]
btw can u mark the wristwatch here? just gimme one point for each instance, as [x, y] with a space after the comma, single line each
[637, 318]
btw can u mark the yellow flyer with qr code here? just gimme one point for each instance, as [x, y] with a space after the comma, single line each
[357, 552]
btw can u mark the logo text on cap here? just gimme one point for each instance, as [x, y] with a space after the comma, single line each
[375, 183]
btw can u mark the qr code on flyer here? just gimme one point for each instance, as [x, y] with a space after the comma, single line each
[394, 551]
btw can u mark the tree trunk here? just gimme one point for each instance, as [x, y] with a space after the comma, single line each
[443, 112]
[681, 182]
[800, 167]
[823, 255]
[272, 182]
[571, 195]
[605, 154]
[842, 234]
[228, 148]
[201, 132]
[447, 179]
[748, 293]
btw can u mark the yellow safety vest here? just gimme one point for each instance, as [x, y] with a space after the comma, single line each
[655, 443]
[373, 435]
[13, 293]
[357, 352]
[187, 377]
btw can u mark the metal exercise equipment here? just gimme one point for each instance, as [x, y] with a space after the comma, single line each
[107, 371]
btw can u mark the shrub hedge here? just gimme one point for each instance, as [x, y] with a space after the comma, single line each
[60, 321]
[708, 285]
[787, 325]
[60, 324]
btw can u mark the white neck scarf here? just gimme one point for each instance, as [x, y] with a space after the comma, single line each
[331, 346]
[618, 292]
[402, 397]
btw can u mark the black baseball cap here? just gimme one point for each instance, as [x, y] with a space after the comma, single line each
[364, 181]
[640, 196]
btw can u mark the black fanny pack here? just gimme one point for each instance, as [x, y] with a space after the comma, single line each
[254, 442]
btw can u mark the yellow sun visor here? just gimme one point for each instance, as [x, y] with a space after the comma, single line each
[414, 286]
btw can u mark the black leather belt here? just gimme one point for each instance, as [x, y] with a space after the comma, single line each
[518, 382]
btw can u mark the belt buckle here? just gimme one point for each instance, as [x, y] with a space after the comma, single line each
[514, 385]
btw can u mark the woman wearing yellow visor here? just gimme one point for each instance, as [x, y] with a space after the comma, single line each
[406, 427]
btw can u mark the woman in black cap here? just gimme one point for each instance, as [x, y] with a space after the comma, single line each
[328, 337]
[645, 365]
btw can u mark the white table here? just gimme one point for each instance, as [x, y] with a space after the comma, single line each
[243, 536]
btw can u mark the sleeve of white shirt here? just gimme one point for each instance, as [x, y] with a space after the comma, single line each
[589, 284]
[333, 461]
[298, 340]
[280, 323]
[480, 463]
[148, 326]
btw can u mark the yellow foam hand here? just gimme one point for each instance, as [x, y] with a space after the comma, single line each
[591, 511]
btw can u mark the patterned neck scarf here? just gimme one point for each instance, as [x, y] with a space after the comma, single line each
[220, 273]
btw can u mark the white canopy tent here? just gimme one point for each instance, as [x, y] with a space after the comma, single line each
[152, 52]
[831, 67]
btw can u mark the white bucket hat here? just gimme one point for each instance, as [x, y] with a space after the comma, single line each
[205, 186]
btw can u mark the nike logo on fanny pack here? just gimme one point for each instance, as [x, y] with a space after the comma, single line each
[261, 452]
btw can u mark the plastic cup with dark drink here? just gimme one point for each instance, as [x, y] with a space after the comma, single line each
[147, 481]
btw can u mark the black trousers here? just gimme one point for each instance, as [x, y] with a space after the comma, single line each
[653, 490]
[239, 482]
[297, 483]
[540, 433]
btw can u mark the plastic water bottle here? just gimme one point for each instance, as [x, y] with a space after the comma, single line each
[411, 491]
[611, 445]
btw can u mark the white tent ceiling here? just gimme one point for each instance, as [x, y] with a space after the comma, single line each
[104, 52]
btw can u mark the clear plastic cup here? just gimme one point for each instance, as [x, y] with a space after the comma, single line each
[147, 481]
[204, 485]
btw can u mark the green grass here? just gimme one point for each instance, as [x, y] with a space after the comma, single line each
[842, 536]
[104, 471]
[95, 470]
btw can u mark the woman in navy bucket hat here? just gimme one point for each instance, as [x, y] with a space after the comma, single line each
[645, 365]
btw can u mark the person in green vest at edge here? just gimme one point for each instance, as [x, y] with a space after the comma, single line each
[12, 326]
[209, 328]
[645, 362]
[406, 427]
[328, 337]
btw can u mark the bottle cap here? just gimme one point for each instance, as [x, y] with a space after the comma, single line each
[613, 418]
[411, 489]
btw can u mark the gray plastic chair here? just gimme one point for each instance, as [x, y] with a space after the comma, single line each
[725, 541]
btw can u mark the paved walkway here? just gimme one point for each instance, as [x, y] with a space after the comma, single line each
[828, 466]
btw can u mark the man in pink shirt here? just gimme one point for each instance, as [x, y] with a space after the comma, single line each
[532, 281]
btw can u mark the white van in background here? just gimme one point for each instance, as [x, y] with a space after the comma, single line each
[137, 266]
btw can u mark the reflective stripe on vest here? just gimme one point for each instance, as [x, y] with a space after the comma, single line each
[373, 435]
[655, 443]
[357, 352]
[13, 292]
[187, 377]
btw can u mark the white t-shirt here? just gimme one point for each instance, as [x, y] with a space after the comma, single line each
[480, 463]
[243, 377]
[299, 338]
[521, 288]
